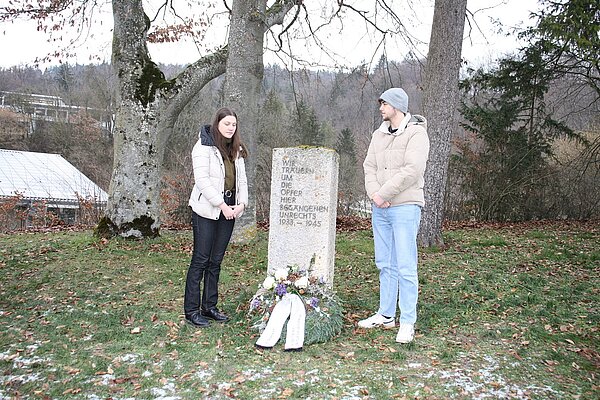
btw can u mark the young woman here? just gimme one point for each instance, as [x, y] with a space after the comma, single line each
[219, 196]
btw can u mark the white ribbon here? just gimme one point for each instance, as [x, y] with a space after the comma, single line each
[292, 306]
[294, 337]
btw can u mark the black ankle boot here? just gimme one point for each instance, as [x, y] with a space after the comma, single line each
[197, 320]
[214, 314]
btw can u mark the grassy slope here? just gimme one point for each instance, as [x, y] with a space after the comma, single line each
[504, 311]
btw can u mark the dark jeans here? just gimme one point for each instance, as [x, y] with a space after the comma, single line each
[211, 238]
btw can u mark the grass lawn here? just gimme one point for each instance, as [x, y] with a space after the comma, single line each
[505, 311]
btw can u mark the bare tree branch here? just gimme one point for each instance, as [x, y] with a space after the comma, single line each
[278, 19]
[227, 6]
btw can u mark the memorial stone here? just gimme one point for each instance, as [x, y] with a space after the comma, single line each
[304, 188]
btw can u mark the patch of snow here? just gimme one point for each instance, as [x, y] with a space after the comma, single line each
[167, 392]
[203, 374]
[253, 375]
[354, 393]
[33, 347]
[106, 379]
[20, 378]
[128, 358]
[489, 383]
[23, 362]
[270, 392]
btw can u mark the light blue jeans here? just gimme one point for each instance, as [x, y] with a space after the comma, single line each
[395, 236]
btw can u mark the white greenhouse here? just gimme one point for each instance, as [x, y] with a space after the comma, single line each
[34, 184]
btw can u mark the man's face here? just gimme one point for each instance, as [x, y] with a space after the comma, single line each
[387, 111]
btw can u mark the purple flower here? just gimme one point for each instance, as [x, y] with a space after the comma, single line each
[255, 304]
[280, 290]
[322, 280]
[314, 302]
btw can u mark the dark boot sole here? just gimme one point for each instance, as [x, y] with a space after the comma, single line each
[196, 326]
[220, 321]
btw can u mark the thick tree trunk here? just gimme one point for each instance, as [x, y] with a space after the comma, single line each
[440, 100]
[243, 81]
[133, 204]
[241, 92]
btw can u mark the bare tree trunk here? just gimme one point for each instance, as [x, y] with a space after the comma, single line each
[243, 80]
[241, 91]
[440, 100]
[133, 206]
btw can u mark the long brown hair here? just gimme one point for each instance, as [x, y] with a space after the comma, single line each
[227, 150]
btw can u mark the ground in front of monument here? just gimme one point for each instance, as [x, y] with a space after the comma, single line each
[506, 311]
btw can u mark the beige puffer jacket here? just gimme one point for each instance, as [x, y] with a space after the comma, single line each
[395, 163]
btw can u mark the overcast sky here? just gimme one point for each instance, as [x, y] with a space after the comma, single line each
[20, 43]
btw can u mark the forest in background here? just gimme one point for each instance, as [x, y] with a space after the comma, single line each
[498, 171]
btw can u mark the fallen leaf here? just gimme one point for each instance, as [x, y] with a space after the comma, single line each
[72, 371]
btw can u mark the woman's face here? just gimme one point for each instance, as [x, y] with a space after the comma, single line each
[227, 126]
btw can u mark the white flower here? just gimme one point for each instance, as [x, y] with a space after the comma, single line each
[268, 283]
[281, 274]
[302, 283]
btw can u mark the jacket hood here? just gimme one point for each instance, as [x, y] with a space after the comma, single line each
[206, 137]
[408, 120]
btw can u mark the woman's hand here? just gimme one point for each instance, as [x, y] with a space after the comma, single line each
[227, 211]
[238, 209]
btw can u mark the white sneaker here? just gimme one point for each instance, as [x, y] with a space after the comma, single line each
[406, 333]
[377, 320]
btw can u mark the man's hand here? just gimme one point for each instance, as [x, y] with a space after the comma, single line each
[380, 202]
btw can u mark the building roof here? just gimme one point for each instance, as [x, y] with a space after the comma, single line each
[42, 176]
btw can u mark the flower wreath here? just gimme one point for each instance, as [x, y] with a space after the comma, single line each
[324, 313]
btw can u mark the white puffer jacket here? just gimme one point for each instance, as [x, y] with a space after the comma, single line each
[209, 178]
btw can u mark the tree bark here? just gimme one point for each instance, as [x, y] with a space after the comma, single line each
[440, 100]
[132, 208]
[243, 81]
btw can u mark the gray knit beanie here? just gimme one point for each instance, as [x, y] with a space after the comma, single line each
[397, 98]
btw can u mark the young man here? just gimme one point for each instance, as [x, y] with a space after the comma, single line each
[394, 177]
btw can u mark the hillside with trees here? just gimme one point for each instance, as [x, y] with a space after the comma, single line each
[488, 179]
